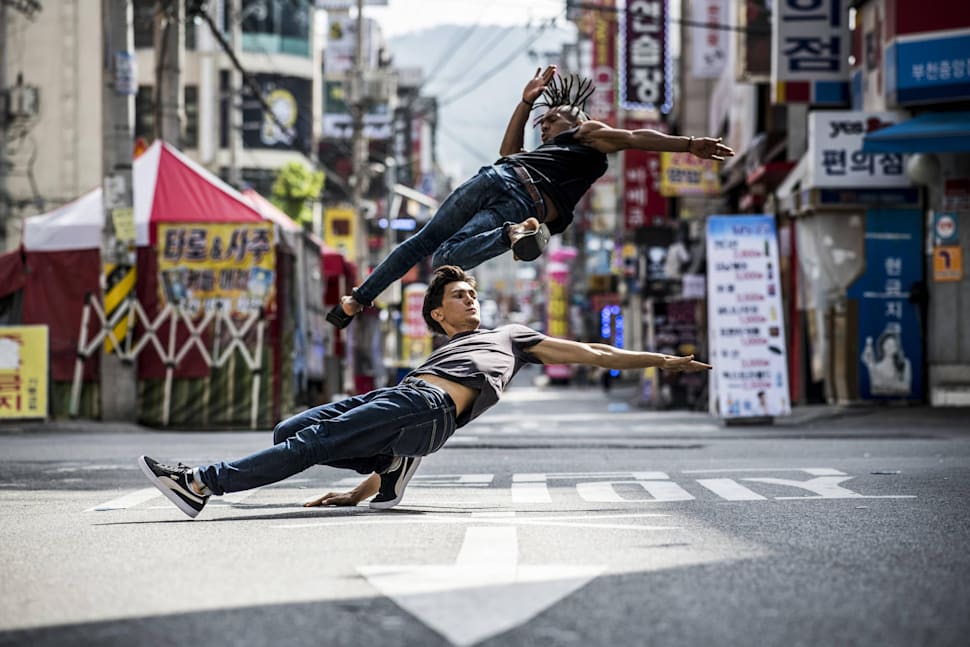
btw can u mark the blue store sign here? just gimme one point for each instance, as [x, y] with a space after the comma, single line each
[936, 68]
[890, 333]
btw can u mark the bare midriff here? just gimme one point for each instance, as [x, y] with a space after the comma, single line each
[463, 396]
[550, 206]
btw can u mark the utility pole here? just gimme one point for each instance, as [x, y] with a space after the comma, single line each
[4, 198]
[234, 8]
[169, 59]
[119, 83]
[357, 141]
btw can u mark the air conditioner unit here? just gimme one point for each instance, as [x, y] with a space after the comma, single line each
[23, 101]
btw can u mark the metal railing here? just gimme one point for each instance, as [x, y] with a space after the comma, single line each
[148, 332]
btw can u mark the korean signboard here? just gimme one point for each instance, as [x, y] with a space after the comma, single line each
[23, 371]
[835, 144]
[810, 62]
[710, 42]
[204, 266]
[890, 341]
[643, 204]
[645, 68]
[746, 323]
[933, 68]
[684, 174]
[602, 104]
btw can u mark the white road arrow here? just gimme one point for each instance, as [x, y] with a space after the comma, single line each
[485, 592]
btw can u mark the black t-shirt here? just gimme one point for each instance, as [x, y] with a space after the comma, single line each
[563, 169]
[484, 360]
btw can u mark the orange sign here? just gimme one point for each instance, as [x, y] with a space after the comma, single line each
[947, 264]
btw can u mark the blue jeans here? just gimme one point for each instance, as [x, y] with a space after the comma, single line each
[362, 433]
[466, 230]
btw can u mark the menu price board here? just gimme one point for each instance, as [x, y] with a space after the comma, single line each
[747, 331]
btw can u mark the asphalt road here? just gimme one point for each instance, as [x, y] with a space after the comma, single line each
[561, 518]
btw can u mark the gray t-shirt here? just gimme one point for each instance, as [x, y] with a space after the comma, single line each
[485, 360]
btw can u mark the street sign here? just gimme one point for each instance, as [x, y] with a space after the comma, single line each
[947, 263]
[945, 228]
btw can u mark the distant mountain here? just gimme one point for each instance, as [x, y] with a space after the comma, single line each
[479, 76]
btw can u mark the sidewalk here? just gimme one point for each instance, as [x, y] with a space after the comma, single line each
[620, 400]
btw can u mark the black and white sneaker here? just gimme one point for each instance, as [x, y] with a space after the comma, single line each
[173, 482]
[393, 483]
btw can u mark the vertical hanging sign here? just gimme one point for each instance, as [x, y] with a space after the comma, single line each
[810, 61]
[602, 105]
[645, 68]
[890, 331]
[747, 331]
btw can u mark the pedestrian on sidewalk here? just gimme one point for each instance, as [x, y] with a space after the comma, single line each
[387, 431]
[526, 196]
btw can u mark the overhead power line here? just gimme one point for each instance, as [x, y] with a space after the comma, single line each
[588, 6]
[198, 9]
[492, 71]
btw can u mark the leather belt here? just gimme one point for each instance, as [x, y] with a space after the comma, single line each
[532, 190]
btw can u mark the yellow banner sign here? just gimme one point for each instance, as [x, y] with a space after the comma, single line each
[683, 174]
[947, 263]
[23, 371]
[204, 266]
[340, 230]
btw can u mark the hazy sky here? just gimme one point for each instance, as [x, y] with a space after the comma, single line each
[403, 16]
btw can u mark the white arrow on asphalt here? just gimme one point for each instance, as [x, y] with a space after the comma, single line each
[485, 592]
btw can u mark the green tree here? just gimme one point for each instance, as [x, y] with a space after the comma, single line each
[294, 189]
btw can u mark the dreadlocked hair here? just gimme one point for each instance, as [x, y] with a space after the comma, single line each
[569, 92]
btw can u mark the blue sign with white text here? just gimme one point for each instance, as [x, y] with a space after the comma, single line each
[933, 68]
[890, 333]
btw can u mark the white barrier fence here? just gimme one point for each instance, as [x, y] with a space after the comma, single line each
[148, 332]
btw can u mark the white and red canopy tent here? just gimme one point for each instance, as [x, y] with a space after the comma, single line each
[60, 262]
[167, 187]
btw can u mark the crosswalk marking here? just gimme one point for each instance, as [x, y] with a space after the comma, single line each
[730, 490]
[605, 491]
[493, 491]
[127, 501]
[530, 488]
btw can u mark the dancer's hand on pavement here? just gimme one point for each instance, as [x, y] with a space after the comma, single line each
[710, 148]
[535, 86]
[365, 490]
[685, 364]
[334, 498]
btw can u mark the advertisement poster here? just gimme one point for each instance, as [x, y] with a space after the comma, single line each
[227, 265]
[745, 318]
[415, 336]
[710, 41]
[23, 371]
[288, 128]
[890, 340]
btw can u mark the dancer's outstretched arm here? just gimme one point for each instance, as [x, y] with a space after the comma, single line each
[514, 138]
